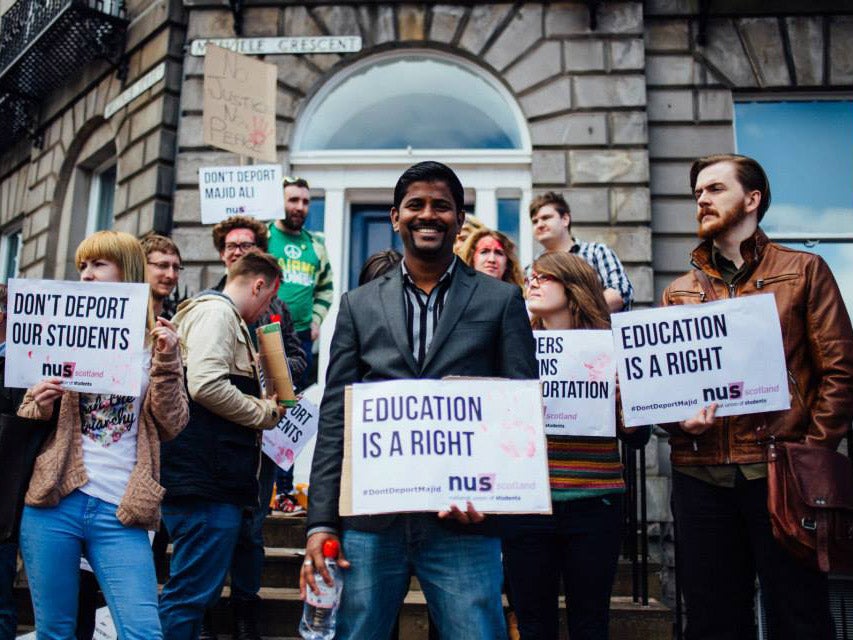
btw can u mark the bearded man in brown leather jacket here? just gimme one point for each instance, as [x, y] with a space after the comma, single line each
[719, 465]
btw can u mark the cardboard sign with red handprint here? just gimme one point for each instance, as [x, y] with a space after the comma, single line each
[239, 104]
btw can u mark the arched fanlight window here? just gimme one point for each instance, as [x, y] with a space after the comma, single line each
[416, 101]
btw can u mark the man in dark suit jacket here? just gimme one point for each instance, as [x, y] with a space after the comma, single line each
[433, 317]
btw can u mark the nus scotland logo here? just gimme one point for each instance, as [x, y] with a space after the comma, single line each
[58, 369]
[730, 391]
[484, 482]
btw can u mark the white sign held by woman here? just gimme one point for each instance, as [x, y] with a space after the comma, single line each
[675, 360]
[578, 375]
[88, 334]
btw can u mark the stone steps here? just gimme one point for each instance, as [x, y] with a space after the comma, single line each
[282, 566]
[281, 608]
[285, 540]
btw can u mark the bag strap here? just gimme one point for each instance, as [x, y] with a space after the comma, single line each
[822, 521]
[705, 283]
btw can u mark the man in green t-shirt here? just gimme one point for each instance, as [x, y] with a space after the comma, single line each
[306, 282]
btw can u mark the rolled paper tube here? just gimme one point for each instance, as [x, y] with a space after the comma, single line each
[274, 363]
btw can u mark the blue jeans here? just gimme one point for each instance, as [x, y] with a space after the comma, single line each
[579, 546]
[8, 607]
[247, 564]
[203, 536]
[460, 576]
[52, 541]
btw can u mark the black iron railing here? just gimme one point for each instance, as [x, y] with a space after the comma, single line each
[44, 44]
[636, 530]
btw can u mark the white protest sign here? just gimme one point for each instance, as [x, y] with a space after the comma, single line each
[674, 360]
[422, 445]
[286, 441]
[578, 375]
[105, 628]
[241, 191]
[89, 334]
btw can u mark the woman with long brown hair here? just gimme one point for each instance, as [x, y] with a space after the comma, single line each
[579, 543]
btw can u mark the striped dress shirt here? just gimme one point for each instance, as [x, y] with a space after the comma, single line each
[423, 310]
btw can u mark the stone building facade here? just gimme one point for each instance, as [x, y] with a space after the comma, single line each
[46, 178]
[616, 98]
[612, 100]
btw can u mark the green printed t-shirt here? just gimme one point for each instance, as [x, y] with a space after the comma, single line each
[299, 264]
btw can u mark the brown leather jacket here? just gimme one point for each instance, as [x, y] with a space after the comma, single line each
[818, 343]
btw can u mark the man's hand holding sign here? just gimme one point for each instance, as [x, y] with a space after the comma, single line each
[725, 356]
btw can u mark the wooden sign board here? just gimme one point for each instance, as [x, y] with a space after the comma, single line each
[239, 104]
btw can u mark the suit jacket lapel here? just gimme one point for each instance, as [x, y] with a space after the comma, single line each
[391, 297]
[461, 288]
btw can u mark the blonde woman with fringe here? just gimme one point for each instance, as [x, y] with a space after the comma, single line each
[94, 489]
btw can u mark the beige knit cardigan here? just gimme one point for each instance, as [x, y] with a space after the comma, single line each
[59, 468]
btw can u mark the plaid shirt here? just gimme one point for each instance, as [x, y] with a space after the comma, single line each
[608, 267]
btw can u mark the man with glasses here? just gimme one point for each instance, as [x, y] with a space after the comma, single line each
[233, 238]
[164, 269]
[306, 280]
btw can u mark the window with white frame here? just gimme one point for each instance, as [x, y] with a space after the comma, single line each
[102, 189]
[10, 254]
[410, 101]
[806, 148]
[391, 110]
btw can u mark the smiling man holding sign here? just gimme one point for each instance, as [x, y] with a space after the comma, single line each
[433, 317]
[720, 464]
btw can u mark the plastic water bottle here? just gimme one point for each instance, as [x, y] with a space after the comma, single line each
[320, 612]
